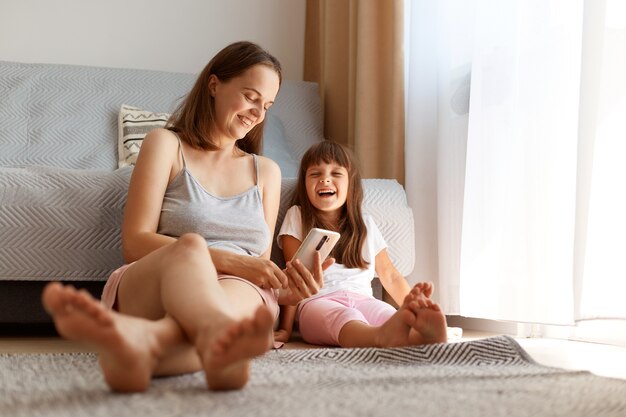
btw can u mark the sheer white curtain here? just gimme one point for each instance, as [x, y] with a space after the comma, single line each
[520, 202]
[439, 54]
[517, 246]
[602, 274]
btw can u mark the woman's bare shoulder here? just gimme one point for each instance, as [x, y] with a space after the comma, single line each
[160, 138]
[268, 168]
[159, 150]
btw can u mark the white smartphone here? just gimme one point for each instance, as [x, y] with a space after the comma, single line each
[318, 240]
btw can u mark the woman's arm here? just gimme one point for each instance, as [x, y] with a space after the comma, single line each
[258, 270]
[157, 163]
[392, 280]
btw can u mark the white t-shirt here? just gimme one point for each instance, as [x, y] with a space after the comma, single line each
[338, 277]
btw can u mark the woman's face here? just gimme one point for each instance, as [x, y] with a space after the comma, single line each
[241, 102]
[327, 186]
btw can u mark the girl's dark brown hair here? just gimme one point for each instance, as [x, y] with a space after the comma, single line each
[351, 224]
[194, 118]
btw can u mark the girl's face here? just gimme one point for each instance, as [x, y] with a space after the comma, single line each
[327, 186]
[241, 102]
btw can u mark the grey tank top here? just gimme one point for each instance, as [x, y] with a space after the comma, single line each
[235, 223]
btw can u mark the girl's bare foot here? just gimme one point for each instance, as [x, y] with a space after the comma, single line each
[127, 346]
[226, 357]
[425, 288]
[428, 323]
[418, 321]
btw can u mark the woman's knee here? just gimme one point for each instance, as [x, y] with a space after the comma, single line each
[192, 241]
[192, 244]
[189, 249]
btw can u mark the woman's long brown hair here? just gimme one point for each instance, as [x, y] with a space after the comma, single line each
[348, 250]
[194, 118]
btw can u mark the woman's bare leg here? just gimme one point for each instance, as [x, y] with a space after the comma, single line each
[129, 348]
[173, 299]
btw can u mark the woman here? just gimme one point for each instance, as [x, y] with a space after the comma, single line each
[199, 291]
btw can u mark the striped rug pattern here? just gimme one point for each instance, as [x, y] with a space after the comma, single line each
[488, 377]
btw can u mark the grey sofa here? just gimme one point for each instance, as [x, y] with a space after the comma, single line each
[62, 195]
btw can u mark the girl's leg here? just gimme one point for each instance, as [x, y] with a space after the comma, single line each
[417, 321]
[321, 319]
[366, 332]
[171, 308]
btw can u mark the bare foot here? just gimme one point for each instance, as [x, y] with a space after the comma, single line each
[426, 288]
[418, 321]
[226, 357]
[427, 321]
[127, 348]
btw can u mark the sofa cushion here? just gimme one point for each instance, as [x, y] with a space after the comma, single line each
[57, 223]
[66, 115]
[276, 147]
[133, 125]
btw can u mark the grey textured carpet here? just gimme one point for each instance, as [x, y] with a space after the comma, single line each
[489, 377]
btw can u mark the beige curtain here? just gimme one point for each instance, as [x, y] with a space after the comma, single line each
[353, 49]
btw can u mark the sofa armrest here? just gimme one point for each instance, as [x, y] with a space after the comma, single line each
[385, 201]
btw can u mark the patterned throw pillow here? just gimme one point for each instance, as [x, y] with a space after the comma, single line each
[134, 124]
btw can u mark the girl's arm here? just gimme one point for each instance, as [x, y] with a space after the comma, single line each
[287, 311]
[288, 298]
[392, 280]
[285, 323]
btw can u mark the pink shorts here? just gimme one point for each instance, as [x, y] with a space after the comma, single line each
[322, 318]
[109, 293]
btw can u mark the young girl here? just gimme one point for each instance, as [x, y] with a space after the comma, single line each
[344, 313]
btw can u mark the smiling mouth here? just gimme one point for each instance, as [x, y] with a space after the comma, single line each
[326, 193]
[246, 121]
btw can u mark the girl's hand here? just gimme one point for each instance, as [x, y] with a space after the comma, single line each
[282, 335]
[304, 283]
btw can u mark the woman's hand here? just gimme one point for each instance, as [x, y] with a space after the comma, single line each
[259, 271]
[264, 273]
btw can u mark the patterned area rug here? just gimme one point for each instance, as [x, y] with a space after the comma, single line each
[488, 377]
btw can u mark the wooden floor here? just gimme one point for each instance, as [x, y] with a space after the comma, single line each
[604, 360]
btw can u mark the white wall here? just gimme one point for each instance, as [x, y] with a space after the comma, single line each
[169, 35]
